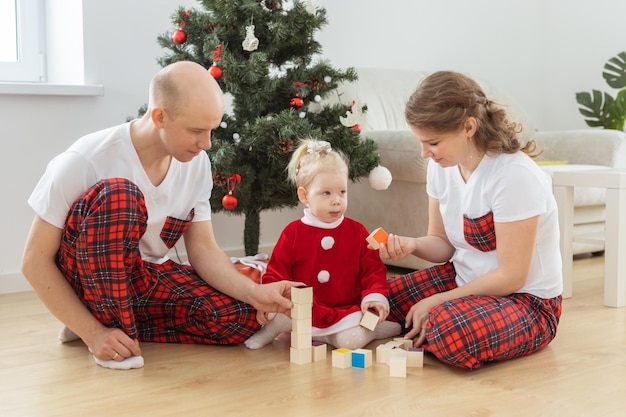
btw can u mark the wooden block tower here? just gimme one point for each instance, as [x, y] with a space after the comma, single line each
[301, 319]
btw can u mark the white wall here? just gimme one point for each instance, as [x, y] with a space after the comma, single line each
[539, 51]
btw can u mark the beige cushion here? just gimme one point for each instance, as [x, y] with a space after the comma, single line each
[401, 153]
[385, 93]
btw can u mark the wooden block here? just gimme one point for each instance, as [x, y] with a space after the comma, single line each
[302, 326]
[301, 340]
[415, 357]
[383, 351]
[361, 358]
[397, 367]
[406, 344]
[395, 343]
[302, 295]
[369, 320]
[342, 358]
[319, 351]
[302, 311]
[377, 237]
[397, 363]
[300, 356]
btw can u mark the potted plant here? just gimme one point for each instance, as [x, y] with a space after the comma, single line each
[599, 108]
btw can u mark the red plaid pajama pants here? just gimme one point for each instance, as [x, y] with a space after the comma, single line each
[168, 302]
[470, 331]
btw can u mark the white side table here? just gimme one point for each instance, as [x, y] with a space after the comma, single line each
[614, 180]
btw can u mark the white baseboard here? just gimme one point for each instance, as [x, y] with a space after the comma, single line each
[238, 252]
[15, 281]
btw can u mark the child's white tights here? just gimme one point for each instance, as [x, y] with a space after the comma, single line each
[279, 324]
[357, 337]
[353, 338]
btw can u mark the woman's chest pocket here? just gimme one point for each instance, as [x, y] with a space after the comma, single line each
[480, 232]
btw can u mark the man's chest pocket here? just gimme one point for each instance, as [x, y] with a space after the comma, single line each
[480, 232]
[174, 228]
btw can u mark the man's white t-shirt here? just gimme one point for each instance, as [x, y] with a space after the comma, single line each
[513, 188]
[109, 153]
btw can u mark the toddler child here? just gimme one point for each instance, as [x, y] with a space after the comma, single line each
[328, 252]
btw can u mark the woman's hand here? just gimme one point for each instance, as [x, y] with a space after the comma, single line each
[397, 247]
[417, 319]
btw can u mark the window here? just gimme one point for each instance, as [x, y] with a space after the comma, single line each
[40, 53]
[22, 41]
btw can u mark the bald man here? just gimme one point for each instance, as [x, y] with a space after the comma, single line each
[109, 209]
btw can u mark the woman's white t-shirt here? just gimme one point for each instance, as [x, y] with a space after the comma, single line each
[110, 153]
[512, 187]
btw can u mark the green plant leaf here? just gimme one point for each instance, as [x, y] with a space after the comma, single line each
[618, 111]
[596, 108]
[615, 71]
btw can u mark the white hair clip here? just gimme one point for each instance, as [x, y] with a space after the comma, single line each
[319, 146]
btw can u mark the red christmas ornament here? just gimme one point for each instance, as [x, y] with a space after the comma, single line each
[357, 128]
[179, 36]
[229, 201]
[296, 103]
[215, 71]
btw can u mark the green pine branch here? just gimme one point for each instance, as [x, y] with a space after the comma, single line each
[263, 128]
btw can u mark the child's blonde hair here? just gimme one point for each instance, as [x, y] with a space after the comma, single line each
[311, 157]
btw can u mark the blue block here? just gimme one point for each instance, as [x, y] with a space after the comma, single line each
[358, 360]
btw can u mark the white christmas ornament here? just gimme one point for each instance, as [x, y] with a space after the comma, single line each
[323, 276]
[354, 116]
[317, 98]
[308, 4]
[223, 125]
[250, 43]
[302, 114]
[380, 178]
[328, 242]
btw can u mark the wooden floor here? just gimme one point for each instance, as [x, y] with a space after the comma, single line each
[582, 373]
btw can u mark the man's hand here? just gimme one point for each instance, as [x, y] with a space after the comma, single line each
[273, 297]
[113, 344]
[262, 317]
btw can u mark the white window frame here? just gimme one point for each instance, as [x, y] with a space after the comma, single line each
[58, 64]
[30, 65]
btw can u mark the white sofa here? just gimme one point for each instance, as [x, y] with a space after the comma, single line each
[403, 207]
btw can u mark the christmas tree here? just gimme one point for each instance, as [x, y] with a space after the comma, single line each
[263, 55]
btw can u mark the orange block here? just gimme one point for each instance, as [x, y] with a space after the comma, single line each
[377, 237]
